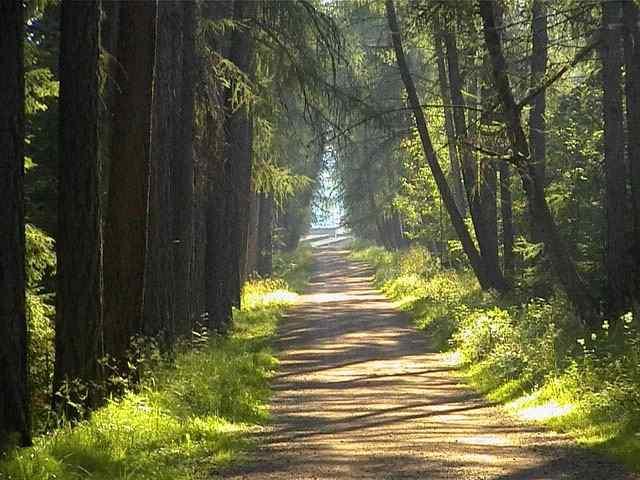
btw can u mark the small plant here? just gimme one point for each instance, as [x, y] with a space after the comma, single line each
[522, 350]
[180, 419]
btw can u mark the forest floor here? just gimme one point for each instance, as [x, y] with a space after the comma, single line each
[358, 395]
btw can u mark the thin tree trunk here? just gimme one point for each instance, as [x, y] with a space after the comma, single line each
[127, 218]
[79, 296]
[480, 186]
[238, 152]
[265, 231]
[244, 203]
[14, 401]
[506, 214]
[616, 261]
[251, 256]
[537, 123]
[632, 93]
[456, 175]
[183, 181]
[198, 279]
[159, 320]
[221, 268]
[110, 13]
[430, 154]
[564, 265]
[487, 197]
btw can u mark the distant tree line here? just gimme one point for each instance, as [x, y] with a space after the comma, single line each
[503, 136]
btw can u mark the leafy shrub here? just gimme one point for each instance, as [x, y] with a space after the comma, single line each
[294, 267]
[40, 263]
[526, 348]
[482, 331]
[184, 421]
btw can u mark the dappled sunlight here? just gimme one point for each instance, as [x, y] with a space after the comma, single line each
[358, 392]
[340, 297]
[544, 412]
[280, 297]
[486, 439]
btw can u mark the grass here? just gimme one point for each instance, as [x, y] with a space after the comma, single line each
[522, 353]
[187, 420]
[294, 266]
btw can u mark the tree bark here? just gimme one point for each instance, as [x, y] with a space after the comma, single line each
[125, 247]
[159, 320]
[244, 204]
[456, 175]
[616, 261]
[506, 213]
[14, 400]
[632, 93]
[537, 123]
[265, 232]
[79, 296]
[221, 266]
[183, 181]
[430, 154]
[238, 152]
[251, 256]
[487, 197]
[564, 265]
[480, 184]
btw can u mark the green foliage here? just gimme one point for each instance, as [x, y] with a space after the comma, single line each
[184, 421]
[295, 267]
[525, 351]
[39, 266]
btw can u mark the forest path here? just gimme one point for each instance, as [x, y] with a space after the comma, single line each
[358, 396]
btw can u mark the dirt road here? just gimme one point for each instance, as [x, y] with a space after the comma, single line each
[358, 397]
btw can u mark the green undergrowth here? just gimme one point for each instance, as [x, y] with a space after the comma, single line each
[525, 353]
[187, 420]
[294, 266]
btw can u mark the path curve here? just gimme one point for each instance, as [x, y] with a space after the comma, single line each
[357, 396]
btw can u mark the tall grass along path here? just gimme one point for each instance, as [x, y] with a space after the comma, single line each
[359, 396]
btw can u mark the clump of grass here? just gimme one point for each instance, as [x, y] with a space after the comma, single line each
[294, 266]
[524, 352]
[186, 421]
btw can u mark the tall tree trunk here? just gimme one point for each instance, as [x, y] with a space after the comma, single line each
[127, 218]
[238, 152]
[245, 196]
[198, 297]
[265, 232]
[14, 400]
[110, 13]
[159, 320]
[537, 123]
[430, 154]
[183, 181]
[479, 183]
[251, 257]
[632, 92]
[456, 175]
[79, 296]
[221, 267]
[564, 265]
[506, 214]
[487, 196]
[616, 261]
